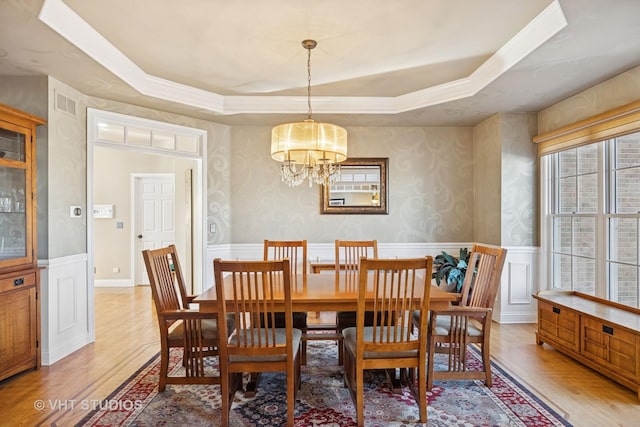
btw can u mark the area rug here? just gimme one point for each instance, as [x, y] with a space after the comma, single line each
[322, 400]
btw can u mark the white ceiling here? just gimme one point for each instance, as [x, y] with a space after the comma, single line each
[378, 62]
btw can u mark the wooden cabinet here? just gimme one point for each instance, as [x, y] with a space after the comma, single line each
[601, 334]
[19, 322]
[610, 345]
[19, 274]
[558, 324]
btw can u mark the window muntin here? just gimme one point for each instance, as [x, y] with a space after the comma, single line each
[580, 188]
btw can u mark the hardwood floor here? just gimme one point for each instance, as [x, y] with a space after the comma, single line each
[127, 336]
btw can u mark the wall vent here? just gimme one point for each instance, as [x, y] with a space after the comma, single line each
[66, 104]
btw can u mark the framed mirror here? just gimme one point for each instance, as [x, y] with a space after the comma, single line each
[361, 188]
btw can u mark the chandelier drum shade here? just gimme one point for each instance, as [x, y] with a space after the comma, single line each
[308, 149]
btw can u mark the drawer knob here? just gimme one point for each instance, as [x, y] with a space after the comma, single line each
[18, 282]
[556, 310]
[607, 329]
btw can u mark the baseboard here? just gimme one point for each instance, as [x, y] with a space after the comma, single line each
[110, 283]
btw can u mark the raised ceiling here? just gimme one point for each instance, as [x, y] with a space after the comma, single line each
[401, 63]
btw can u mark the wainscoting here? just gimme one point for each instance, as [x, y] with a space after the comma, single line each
[67, 300]
[67, 307]
[519, 280]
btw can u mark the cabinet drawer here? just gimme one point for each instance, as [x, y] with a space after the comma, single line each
[18, 281]
[559, 324]
[610, 344]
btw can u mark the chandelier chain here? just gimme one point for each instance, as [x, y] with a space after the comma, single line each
[309, 81]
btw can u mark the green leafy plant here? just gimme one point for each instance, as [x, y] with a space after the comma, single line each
[450, 268]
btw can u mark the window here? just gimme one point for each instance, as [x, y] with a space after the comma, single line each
[595, 219]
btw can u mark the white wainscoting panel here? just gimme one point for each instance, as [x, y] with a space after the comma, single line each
[213, 252]
[65, 307]
[326, 251]
[514, 302]
[518, 283]
[519, 273]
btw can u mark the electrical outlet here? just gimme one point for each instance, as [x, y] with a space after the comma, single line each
[116, 269]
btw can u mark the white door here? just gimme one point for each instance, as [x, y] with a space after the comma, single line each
[154, 201]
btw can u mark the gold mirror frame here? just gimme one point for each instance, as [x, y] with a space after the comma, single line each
[331, 202]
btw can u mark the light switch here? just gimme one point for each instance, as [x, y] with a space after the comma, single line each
[103, 211]
[212, 228]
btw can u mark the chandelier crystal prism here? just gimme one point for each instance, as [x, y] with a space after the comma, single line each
[308, 149]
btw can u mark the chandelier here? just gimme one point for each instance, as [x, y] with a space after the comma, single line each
[308, 149]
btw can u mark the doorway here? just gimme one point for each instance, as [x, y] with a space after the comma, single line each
[149, 146]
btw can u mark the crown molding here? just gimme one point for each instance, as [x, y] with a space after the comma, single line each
[63, 20]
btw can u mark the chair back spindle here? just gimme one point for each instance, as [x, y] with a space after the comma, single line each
[347, 257]
[392, 290]
[251, 294]
[452, 330]
[196, 333]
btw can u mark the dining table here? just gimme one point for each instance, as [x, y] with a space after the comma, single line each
[319, 266]
[320, 292]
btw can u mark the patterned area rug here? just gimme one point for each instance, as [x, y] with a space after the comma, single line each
[322, 400]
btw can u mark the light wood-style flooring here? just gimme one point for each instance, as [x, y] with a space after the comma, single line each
[127, 337]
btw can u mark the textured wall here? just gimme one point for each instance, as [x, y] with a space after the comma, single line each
[61, 162]
[219, 184]
[431, 183]
[519, 199]
[487, 178]
[505, 180]
[430, 191]
[67, 174]
[620, 90]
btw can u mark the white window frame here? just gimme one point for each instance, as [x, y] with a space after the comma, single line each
[604, 288]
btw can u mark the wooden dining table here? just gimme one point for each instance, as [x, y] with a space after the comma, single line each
[315, 293]
[320, 292]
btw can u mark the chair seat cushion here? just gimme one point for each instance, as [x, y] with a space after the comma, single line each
[281, 338]
[349, 335]
[443, 327]
[209, 328]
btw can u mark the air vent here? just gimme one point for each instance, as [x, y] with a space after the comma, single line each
[65, 104]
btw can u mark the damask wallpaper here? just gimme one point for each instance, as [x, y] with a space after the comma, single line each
[620, 90]
[519, 181]
[436, 175]
[430, 189]
[487, 175]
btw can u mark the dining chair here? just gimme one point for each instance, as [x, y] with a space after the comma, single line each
[452, 330]
[180, 327]
[347, 258]
[393, 289]
[296, 252]
[258, 290]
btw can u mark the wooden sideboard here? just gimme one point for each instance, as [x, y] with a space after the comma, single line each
[601, 334]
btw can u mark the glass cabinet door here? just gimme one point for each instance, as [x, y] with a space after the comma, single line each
[15, 196]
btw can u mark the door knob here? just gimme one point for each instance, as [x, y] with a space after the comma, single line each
[139, 236]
